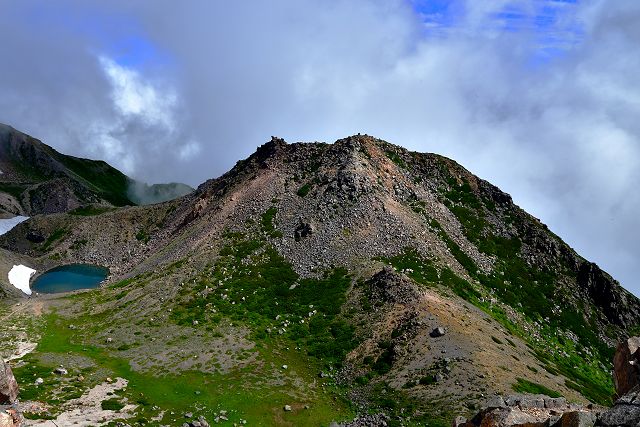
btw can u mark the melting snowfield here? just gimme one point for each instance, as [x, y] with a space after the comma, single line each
[8, 224]
[19, 276]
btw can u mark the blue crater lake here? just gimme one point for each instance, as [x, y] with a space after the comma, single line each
[70, 278]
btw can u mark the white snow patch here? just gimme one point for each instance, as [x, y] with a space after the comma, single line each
[8, 224]
[19, 277]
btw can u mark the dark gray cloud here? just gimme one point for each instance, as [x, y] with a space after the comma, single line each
[179, 92]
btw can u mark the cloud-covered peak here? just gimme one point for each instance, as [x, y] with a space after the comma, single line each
[539, 97]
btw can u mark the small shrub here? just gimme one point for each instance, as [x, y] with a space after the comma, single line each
[304, 190]
[525, 386]
[111, 405]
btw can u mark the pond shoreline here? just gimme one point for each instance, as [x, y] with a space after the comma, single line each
[68, 278]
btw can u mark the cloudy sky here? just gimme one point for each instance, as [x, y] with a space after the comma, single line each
[540, 97]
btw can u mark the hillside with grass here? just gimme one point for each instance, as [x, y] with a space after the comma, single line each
[315, 283]
[36, 179]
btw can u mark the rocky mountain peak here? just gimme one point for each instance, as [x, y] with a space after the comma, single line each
[401, 275]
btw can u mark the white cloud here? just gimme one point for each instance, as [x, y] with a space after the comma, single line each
[189, 150]
[133, 96]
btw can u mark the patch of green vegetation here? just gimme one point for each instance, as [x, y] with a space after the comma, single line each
[525, 386]
[143, 236]
[252, 284]
[245, 392]
[38, 416]
[427, 380]
[395, 158]
[460, 256]
[304, 190]
[397, 404]
[464, 195]
[90, 210]
[425, 272]
[113, 404]
[267, 222]
[58, 234]
[78, 244]
[13, 189]
[107, 181]
[384, 362]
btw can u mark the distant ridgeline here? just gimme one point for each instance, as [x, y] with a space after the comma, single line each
[36, 179]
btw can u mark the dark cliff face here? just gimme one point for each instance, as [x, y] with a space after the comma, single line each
[618, 305]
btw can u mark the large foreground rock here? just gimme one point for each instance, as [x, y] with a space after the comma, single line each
[626, 366]
[626, 376]
[8, 384]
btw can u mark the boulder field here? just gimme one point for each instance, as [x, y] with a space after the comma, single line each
[544, 411]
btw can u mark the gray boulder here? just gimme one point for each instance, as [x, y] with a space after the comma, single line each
[304, 229]
[438, 332]
[625, 412]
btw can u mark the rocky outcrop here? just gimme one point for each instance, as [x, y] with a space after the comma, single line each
[371, 420]
[531, 411]
[520, 411]
[391, 287]
[626, 376]
[303, 230]
[625, 412]
[8, 384]
[626, 366]
[615, 302]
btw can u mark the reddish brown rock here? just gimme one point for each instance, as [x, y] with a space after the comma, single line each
[10, 418]
[626, 366]
[8, 384]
